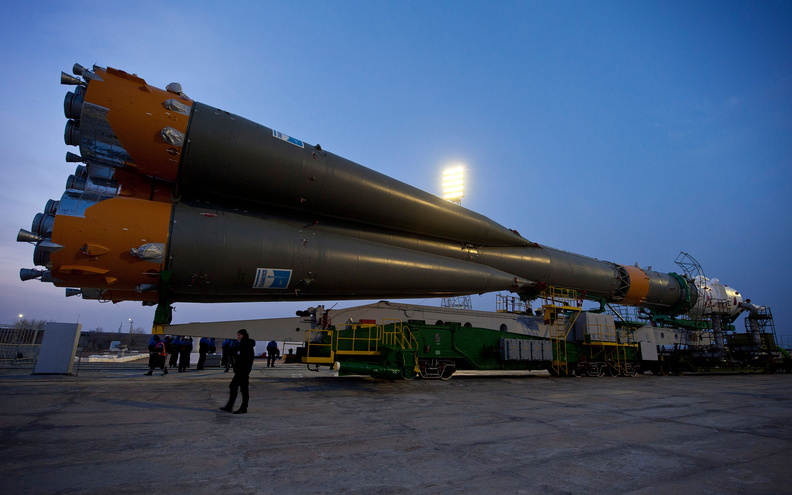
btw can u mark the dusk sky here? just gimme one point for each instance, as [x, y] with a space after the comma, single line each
[628, 131]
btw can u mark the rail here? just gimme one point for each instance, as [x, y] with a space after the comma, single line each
[324, 345]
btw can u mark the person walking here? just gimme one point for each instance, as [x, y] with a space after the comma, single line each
[243, 363]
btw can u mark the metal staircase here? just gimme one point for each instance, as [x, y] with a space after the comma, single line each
[560, 310]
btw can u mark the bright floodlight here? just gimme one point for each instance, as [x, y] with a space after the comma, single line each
[454, 183]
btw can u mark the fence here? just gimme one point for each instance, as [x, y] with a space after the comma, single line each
[19, 345]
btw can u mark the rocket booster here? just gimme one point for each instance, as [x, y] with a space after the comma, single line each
[175, 200]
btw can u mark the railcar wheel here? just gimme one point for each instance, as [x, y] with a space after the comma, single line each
[447, 371]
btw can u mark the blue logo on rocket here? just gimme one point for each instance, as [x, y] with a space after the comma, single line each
[272, 278]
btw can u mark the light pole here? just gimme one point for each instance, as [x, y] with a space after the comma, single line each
[18, 337]
[454, 184]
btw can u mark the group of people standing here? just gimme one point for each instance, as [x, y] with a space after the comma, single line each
[178, 348]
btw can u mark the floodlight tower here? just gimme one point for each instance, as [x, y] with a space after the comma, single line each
[454, 191]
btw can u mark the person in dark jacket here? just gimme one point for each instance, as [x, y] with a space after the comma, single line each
[168, 341]
[175, 351]
[184, 353]
[203, 348]
[224, 353]
[272, 353]
[229, 346]
[156, 355]
[243, 363]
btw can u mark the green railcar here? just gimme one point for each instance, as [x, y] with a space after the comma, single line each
[406, 350]
[412, 349]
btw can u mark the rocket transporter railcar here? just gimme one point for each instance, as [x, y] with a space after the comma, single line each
[562, 339]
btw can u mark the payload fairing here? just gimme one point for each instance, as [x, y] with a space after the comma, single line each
[176, 200]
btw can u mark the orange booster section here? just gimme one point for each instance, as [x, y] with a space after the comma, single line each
[148, 123]
[118, 243]
[639, 286]
[138, 186]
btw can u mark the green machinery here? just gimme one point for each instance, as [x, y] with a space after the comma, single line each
[569, 346]
[567, 342]
[406, 350]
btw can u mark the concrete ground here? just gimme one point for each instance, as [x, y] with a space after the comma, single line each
[112, 430]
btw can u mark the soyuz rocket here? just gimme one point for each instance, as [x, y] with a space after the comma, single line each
[177, 201]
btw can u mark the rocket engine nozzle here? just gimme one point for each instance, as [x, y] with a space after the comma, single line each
[31, 273]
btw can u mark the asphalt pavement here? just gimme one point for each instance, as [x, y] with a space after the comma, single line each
[110, 429]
